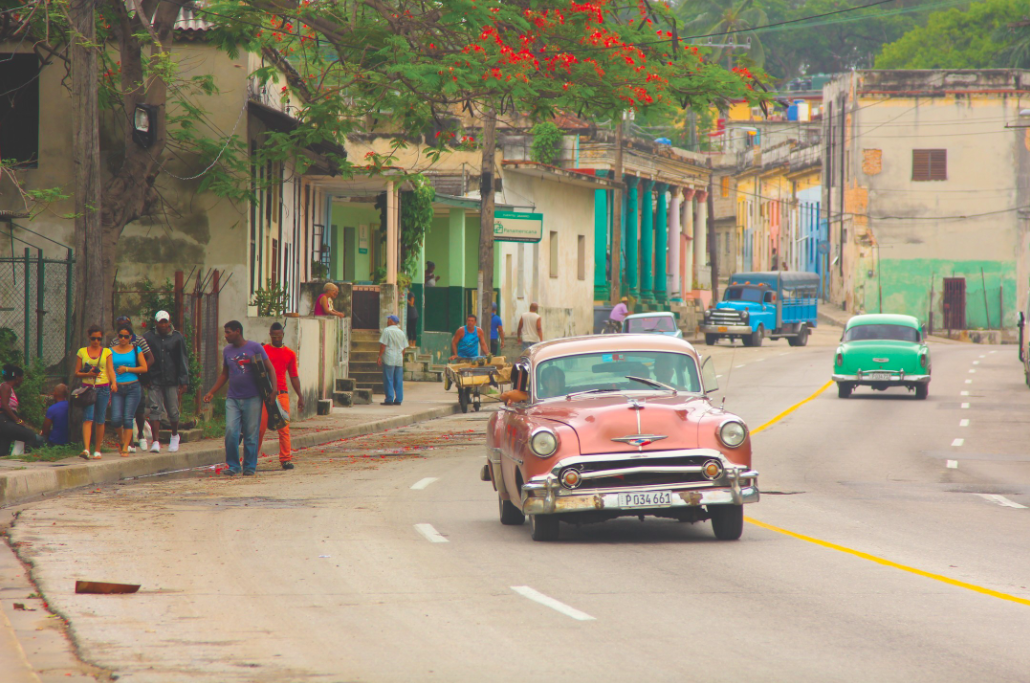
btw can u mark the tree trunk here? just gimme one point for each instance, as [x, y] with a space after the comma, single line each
[485, 280]
[89, 285]
[615, 285]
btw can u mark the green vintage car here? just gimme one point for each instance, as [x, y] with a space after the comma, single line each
[882, 351]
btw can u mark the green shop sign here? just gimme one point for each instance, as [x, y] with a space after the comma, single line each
[517, 226]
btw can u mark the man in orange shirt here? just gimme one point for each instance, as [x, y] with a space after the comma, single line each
[284, 360]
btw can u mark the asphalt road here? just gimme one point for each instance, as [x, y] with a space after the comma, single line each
[381, 559]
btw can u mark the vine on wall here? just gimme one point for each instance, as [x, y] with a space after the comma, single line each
[547, 143]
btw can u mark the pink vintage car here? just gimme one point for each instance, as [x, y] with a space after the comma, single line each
[619, 425]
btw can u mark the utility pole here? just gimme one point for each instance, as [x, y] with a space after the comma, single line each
[616, 251]
[86, 159]
[485, 280]
[713, 251]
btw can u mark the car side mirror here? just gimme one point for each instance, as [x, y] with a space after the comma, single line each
[711, 382]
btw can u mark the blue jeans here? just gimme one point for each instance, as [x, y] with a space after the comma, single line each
[124, 403]
[242, 416]
[393, 381]
[99, 408]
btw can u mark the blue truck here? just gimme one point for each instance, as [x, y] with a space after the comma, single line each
[770, 305]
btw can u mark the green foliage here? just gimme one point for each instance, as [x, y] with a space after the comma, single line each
[416, 221]
[271, 300]
[957, 39]
[319, 270]
[547, 143]
[31, 400]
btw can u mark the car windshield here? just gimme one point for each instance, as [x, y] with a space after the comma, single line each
[658, 323]
[881, 331]
[602, 372]
[743, 294]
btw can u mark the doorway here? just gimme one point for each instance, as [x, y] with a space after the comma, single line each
[955, 303]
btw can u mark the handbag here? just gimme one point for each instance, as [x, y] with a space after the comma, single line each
[86, 395]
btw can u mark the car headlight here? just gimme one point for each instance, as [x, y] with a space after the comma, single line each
[745, 314]
[732, 433]
[543, 442]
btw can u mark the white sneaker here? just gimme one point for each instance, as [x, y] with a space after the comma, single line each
[131, 449]
[143, 443]
[156, 447]
[173, 443]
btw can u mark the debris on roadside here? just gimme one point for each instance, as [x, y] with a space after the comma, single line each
[104, 588]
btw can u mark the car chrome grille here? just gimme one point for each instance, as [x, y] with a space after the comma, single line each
[615, 474]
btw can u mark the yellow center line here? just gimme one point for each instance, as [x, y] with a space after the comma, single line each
[894, 565]
[866, 556]
[790, 410]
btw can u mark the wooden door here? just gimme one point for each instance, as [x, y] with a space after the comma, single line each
[955, 303]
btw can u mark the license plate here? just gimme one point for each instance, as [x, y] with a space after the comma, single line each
[885, 376]
[649, 499]
[722, 329]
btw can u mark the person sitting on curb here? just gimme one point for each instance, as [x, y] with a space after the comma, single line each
[55, 425]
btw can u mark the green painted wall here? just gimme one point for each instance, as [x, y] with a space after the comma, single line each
[471, 251]
[906, 289]
[348, 215]
[436, 247]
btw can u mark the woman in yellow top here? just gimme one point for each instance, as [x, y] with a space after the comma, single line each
[93, 365]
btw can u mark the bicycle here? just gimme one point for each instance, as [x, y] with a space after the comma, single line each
[611, 327]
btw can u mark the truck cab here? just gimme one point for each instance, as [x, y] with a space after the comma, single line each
[756, 306]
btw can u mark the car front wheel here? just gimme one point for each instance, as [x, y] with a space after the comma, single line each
[510, 515]
[727, 521]
[710, 339]
[543, 527]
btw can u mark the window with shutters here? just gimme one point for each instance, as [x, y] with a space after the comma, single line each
[929, 164]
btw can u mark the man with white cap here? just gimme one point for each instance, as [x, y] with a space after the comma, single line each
[391, 359]
[169, 378]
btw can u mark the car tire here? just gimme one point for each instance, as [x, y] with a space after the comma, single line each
[844, 390]
[801, 339]
[727, 521]
[922, 391]
[757, 336]
[710, 339]
[510, 515]
[543, 527]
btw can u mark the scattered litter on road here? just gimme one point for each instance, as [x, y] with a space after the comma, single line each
[104, 588]
[324, 557]
[20, 607]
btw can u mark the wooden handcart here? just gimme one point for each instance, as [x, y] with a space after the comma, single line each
[471, 377]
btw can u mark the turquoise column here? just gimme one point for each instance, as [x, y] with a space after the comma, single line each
[661, 244]
[601, 289]
[647, 244]
[632, 257]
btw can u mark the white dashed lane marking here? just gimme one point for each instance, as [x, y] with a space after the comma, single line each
[422, 483]
[963, 393]
[547, 601]
[965, 406]
[951, 464]
[1001, 500]
[958, 442]
[963, 423]
[969, 381]
[430, 534]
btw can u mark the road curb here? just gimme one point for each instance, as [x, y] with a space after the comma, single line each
[22, 486]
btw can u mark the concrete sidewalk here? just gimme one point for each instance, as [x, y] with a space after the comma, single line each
[25, 481]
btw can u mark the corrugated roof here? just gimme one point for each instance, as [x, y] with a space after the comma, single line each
[190, 20]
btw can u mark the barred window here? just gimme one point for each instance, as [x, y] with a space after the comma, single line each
[929, 164]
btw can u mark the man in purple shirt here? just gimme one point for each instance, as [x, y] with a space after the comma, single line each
[242, 403]
[620, 311]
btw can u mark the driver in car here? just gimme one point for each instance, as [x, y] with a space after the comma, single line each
[552, 382]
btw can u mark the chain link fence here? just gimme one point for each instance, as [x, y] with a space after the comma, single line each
[36, 307]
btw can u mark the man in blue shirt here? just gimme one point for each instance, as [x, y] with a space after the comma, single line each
[496, 332]
[55, 425]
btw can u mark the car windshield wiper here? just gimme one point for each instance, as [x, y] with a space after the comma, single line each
[599, 390]
[653, 383]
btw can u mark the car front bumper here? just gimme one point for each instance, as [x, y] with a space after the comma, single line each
[896, 378]
[726, 329]
[544, 495]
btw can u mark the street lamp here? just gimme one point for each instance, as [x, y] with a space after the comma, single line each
[144, 125]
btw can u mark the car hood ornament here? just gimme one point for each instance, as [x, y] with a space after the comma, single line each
[640, 440]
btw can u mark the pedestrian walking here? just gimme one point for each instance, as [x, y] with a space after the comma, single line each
[412, 320]
[324, 302]
[144, 383]
[284, 360]
[12, 427]
[391, 360]
[128, 363]
[496, 331]
[56, 428]
[531, 330]
[169, 377]
[243, 401]
[93, 366]
[468, 342]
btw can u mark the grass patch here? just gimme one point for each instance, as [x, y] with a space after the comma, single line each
[47, 453]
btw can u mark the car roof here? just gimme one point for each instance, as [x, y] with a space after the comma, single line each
[884, 319]
[651, 314]
[606, 343]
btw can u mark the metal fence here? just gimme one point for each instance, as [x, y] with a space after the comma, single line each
[36, 305]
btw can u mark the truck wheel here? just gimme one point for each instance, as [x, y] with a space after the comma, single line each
[922, 391]
[510, 515]
[543, 527]
[800, 339]
[727, 521]
[757, 336]
[710, 339]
